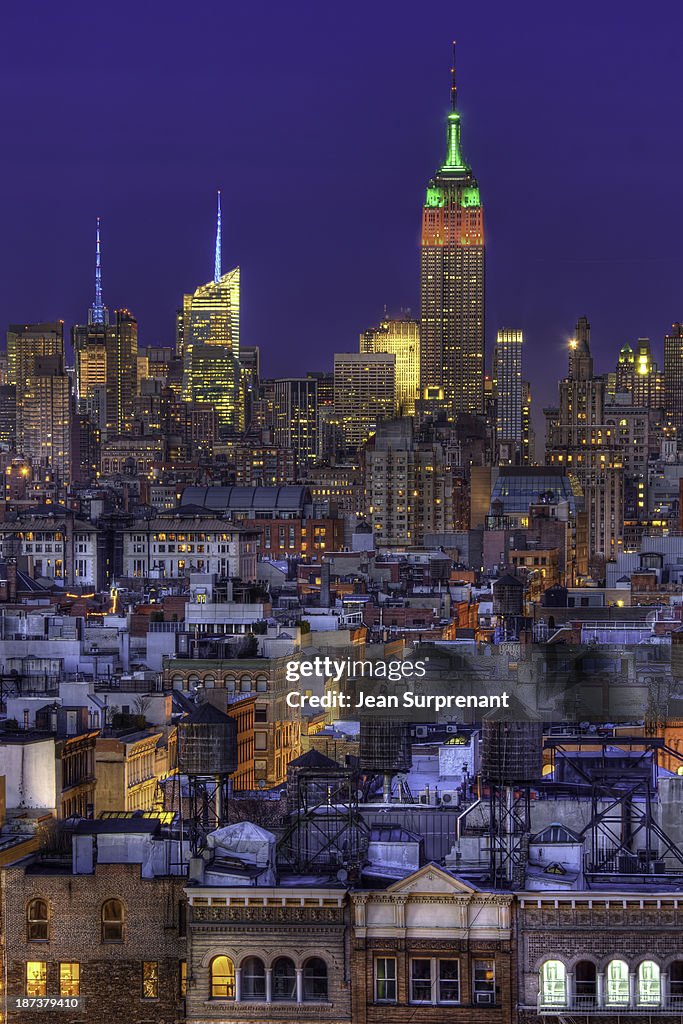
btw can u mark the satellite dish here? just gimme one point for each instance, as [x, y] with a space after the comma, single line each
[342, 875]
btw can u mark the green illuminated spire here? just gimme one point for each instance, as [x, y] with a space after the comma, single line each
[454, 159]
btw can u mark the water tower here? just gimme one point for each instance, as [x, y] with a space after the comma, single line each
[384, 750]
[511, 764]
[207, 755]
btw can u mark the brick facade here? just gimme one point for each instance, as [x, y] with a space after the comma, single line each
[297, 922]
[110, 973]
[597, 929]
[432, 916]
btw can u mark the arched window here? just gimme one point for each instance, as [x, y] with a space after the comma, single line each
[222, 978]
[209, 681]
[284, 980]
[229, 684]
[676, 983]
[112, 921]
[253, 978]
[553, 983]
[178, 682]
[315, 980]
[261, 683]
[586, 979]
[193, 680]
[37, 921]
[617, 983]
[245, 684]
[648, 983]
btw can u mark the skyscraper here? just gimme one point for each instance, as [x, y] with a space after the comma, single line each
[673, 374]
[211, 343]
[27, 344]
[44, 426]
[364, 393]
[400, 337]
[507, 369]
[295, 419]
[581, 441]
[106, 356]
[452, 280]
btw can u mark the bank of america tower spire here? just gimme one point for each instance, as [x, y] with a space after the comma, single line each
[452, 273]
[98, 312]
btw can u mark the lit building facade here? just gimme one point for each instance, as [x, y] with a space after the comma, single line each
[401, 338]
[295, 419]
[673, 374]
[44, 417]
[408, 486]
[509, 395]
[452, 280]
[364, 393]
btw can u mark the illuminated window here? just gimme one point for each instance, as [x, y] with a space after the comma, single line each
[69, 980]
[553, 976]
[648, 983]
[150, 979]
[222, 978]
[37, 921]
[112, 921]
[36, 978]
[182, 981]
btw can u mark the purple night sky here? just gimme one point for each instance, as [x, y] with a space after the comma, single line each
[322, 123]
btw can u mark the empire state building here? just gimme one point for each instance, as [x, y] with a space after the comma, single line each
[452, 272]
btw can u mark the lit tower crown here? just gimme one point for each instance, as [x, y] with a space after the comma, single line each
[98, 312]
[217, 264]
[452, 279]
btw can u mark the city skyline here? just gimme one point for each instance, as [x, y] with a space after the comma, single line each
[550, 257]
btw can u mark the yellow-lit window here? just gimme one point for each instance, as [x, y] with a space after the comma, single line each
[112, 921]
[69, 980]
[222, 978]
[183, 978]
[150, 979]
[36, 978]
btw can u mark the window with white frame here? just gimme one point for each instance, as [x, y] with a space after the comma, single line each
[617, 983]
[648, 983]
[484, 981]
[553, 983]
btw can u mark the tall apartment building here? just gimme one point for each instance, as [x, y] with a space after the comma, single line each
[364, 393]
[673, 374]
[408, 486]
[401, 338]
[44, 416]
[509, 390]
[580, 441]
[295, 419]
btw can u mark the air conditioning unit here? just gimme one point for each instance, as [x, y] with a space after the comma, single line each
[484, 998]
[450, 797]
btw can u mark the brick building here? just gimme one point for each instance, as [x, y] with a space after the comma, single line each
[267, 954]
[110, 937]
[600, 956]
[432, 948]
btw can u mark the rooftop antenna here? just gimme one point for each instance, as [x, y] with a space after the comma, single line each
[454, 87]
[217, 267]
[97, 314]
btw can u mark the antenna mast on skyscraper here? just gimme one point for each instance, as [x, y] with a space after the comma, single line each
[454, 87]
[217, 268]
[98, 305]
